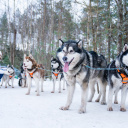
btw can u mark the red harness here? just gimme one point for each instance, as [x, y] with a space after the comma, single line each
[31, 74]
[56, 74]
[124, 77]
[10, 76]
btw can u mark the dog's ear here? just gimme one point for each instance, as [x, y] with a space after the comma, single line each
[12, 66]
[80, 44]
[31, 56]
[52, 58]
[125, 47]
[61, 42]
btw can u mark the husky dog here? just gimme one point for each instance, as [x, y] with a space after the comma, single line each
[23, 80]
[33, 70]
[0, 56]
[74, 58]
[102, 62]
[118, 79]
[7, 78]
[57, 73]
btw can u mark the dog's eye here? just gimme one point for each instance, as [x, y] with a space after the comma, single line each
[71, 51]
[63, 50]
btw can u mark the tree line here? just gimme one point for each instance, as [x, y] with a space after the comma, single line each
[102, 25]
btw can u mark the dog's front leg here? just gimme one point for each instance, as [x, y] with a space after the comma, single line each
[110, 96]
[116, 96]
[63, 84]
[84, 98]
[12, 82]
[23, 83]
[42, 81]
[54, 82]
[123, 98]
[6, 82]
[59, 79]
[37, 85]
[29, 82]
[71, 89]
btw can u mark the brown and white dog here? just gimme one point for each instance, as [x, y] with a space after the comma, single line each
[33, 70]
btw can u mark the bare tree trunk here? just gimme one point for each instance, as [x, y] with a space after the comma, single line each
[109, 32]
[97, 22]
[51, 32]
[93, 31]
[14, 39]
[9, 34]
[43, 33]
[126, 22]
[60, 23]
[120, 14]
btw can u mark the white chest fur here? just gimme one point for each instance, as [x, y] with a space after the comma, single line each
[80, 77]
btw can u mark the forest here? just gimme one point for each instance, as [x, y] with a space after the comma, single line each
[102, 25]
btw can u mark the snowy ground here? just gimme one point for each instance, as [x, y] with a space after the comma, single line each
[18, 110]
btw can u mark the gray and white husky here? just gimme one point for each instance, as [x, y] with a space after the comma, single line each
[74, 59]
[116, 81]
[7, 78]
[57, 74]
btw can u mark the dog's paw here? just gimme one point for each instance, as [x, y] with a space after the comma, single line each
[42, 90]
[82, 110]
[37, 94]
[12, 87]
[97, 100]
[63, 88]
[115, 102]
[123, 109]
[64, 108]
[52, 91]
[5, 86]
[27, 93]
[35, 90]
[110, 109]
[103, 103]
[59, 92]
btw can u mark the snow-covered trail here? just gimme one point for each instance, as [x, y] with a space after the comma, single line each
[18, 110]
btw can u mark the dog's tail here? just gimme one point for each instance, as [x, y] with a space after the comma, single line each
[20, 82]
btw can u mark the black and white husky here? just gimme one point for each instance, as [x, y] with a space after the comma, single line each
[57, 74]
[23, 80]
[7, 78]
[118, 79]
[74, 58]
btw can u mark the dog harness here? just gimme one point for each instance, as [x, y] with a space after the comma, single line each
[124, 77]
[31, 74]
[10, 76]
[56, 74]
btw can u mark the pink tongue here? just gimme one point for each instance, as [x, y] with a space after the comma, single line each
[66, 67]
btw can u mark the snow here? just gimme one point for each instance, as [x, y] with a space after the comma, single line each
[18, 110]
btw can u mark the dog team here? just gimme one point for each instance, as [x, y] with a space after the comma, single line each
[74, 65]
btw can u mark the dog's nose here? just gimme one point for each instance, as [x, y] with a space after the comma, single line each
[65, 58]
[24, 63]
